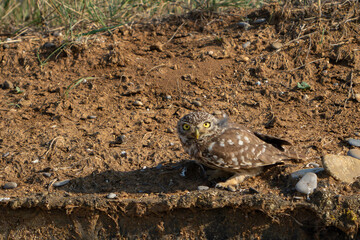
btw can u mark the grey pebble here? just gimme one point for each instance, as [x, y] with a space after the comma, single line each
[357, 134]
[46, 174]
[354, 142]
[111, 196]
[203, 188]
[260, 20]
[61, 183]
[120, 139]
[303, 172]
[244, 25]
[276, 45]
[354, 153]
[247, 44]
[137, 103]
[168, 97]
[197, 103]
[7, 85]
[307, 184]
[5, 46]
[10, 185]
[5, 154]
[123, 153]
[91, 117]
[48, 45]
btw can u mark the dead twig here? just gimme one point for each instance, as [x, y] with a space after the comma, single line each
[52, 145]
[174, 33]
[156, 67]
[351, 90]
[317, 60]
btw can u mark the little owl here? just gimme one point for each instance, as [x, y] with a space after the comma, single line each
[229, 147]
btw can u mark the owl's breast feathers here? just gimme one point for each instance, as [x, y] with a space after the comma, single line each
[239, 148]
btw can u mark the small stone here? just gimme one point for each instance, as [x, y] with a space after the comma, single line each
[6, 46]
[169, 130]
[307, 184]
[258, 83]
[168, 97]
[187, 77]
[246, 45]
[35, 161]
[302, 172]
[276, 45]
[123, 154]
[203, 188]
[197, 103]
[244, 25]
[10, 185]
[157, 47]
[259, 20]
[111, 196]
[242, 58]
[46, 174]
[354, 142]
[120, 139]
[49, 45]
[61, 183]
[343, 168]
[354, 153]
[7, 85]
[57, 34]
[217, 112]
[137, 103]
[357, 97]
[5, 154]
[91, 117]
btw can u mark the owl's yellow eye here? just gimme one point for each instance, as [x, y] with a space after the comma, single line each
[186, 126]
[207, 124]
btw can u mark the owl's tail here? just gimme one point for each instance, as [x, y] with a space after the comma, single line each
[294, 154]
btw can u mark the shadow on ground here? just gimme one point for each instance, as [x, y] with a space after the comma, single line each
[185, 175]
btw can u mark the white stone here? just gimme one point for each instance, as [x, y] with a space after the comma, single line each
[307, 184]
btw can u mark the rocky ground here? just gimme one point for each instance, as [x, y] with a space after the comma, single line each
[88, 142]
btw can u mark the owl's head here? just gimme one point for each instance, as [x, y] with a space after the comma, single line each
[198, 125]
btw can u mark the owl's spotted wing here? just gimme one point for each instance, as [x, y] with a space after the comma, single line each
[239, 148]
[275, 141]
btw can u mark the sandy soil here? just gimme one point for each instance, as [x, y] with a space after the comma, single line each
[101, 112]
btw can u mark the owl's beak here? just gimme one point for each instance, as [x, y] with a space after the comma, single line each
[197, 133]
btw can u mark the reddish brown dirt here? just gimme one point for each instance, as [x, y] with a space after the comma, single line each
[45, 129]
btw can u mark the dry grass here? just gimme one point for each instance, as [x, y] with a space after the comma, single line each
[77, 16]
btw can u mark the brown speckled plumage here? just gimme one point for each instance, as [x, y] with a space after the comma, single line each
[230, 147]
